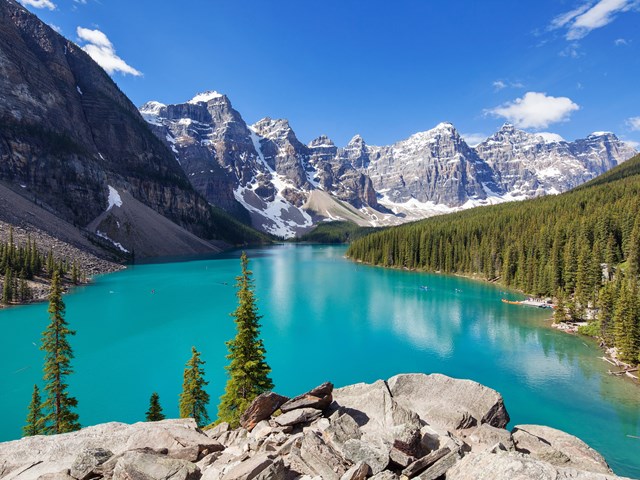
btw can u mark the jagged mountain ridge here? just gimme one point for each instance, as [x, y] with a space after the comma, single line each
[269, 172]
[69, 137]
[263, 168]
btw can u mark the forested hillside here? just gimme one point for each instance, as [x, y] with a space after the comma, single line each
[581, 247]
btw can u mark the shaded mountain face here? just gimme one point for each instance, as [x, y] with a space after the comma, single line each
[264, 169]
[67, 133]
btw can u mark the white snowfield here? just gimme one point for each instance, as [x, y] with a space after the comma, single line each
[114, 198]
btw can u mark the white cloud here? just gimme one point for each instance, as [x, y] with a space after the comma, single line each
[535, 110]
[580, 21]
[561, 20]
[56, 28]
[499, 85]
[100, 48]
[474, 139]
[633, 144]
[39, 4]
[634, 123]
[618, 42]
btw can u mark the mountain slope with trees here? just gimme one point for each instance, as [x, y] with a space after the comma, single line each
[582, 247]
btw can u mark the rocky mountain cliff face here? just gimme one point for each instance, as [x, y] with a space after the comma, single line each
[262, 169]
[529, 165]
[415, 426]
[265, 170]
[67, 134]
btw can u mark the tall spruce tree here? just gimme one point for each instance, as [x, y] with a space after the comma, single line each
[194, 399]
[154, 414]
[248, 370]
[7, 289]
[57, 366]
[35, 421]
[626, 319]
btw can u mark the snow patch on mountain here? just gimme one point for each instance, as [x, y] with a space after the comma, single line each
[205, 97]
[118, 245]
[114, 198]
[549, 137]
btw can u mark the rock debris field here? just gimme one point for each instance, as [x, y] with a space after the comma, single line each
[412, 426]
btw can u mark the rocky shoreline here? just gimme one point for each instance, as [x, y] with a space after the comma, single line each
[418, 426]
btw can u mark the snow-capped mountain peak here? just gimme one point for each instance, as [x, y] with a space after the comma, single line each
[284, 185]
[205, 97]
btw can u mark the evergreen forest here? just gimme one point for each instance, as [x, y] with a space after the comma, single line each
[581, 248]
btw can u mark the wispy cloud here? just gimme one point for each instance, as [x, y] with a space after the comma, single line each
[565, 18]
[474, 139]
[535, 110]
[634, 123]
[619, 42]
[39, 4]
[572, 50]
[589, 16]
[501, 85]
[100, 48]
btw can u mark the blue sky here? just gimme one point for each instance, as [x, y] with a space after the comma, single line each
[384, 70]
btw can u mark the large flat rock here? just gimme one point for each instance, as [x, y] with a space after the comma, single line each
[485, 465]
[558, 448]
[40, 455]
[448, 402]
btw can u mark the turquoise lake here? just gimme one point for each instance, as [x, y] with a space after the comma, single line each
[325, 318]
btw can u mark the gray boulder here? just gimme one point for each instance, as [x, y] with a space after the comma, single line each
[295, 417]
[87, 460]
[485, 436]
[359, 471]
[513, 466]
[322, 459]
[379, 416]
[259, 467]
[448, 402]
[320, 398]
[374, 454]
[149, 466]
[558, 448]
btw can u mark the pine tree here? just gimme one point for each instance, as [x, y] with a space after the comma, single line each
[35, 421]
[154, 414]
[193, 399]
[7, 289]
[58, 354]
[560, 312]
[633, 255]
[248, 370]
[625, 319]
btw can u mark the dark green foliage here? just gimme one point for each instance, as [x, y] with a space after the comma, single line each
[193, 399]
[35, 425]
[626, 322]
[574, 243]
[58, 405]
[21, 263]
[336, 232]
[248, 370]
[154, 414]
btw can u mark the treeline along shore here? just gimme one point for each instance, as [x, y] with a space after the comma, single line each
[581, 248]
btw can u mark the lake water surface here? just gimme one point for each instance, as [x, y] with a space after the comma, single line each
[325, 318]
